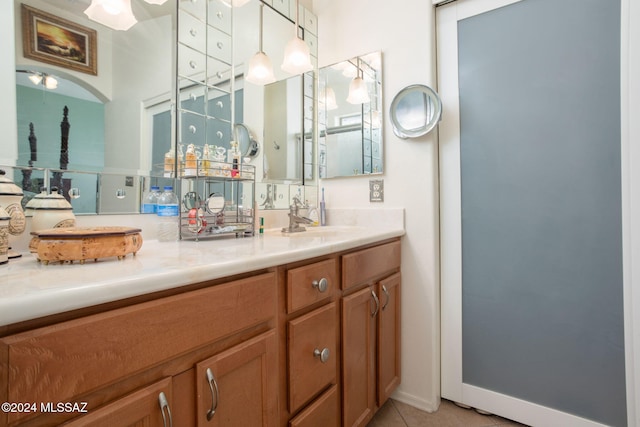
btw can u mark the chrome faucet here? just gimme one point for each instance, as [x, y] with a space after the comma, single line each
[295, 220]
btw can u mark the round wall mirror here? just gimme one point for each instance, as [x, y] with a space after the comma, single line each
[246, 143]
[415, 111]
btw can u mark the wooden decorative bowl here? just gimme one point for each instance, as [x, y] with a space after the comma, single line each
[82, 243]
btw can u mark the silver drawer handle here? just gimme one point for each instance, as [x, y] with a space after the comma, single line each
[375, 298]
[164, 404]
[220, 45]
[323, 354]
[386, 292]
[193, 64]
[193, 32]
[321, 285]
[220, 15]
[215, 394]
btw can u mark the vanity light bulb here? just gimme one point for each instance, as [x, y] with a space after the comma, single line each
[112, 7]
[260, 70]
[50, 82]
[297, 58]
[115, 14]
[35, 78]
[358, 93]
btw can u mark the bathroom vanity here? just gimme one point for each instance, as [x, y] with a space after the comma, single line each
[274, 330]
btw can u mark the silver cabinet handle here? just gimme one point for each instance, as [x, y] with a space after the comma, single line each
[386, 292]
[321, 285]
[375, 298]
[213, 386]
[164, 404]
[323, 354]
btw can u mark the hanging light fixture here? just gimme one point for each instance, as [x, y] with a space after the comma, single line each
[329, 97]
[50, 82]
[358, 93]
[36, 78]
[156, 1]
[260, 68]
[115, 14]
[297, 58]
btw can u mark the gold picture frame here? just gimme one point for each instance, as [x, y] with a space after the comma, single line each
[48, 38]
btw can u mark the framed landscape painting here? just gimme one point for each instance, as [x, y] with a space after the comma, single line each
[48, 38]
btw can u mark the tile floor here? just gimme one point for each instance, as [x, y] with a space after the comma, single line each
[398, 414]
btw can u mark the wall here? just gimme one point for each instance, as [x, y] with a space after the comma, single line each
[8, 119]
[101, 84]
[405, 36]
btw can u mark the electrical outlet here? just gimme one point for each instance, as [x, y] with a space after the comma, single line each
[128, 181]
[376, 190]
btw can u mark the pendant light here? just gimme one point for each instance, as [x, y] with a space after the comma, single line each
[260, 68]
[358, 92]
[297, 58]
[115, 14]
[156, 1]
[329, 97]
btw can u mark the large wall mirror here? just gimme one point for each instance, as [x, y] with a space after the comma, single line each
[350, 117]
[120, 119]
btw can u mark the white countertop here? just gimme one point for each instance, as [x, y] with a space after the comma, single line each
[29, 289]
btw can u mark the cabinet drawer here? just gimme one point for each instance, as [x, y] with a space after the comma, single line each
[311, 283]
[58, 362]
[322, 412]
[365, 265]
[313, 354]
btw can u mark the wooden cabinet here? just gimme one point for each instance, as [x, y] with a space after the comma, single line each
[150, 406]
[239, 387]
[100, 358]
[370, 331]
[310, 344]
[358, 357]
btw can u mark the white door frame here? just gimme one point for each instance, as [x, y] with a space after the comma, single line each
[450, 245]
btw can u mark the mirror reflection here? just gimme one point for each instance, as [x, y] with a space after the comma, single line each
[415, 111]
[121, 123]
[350, 117]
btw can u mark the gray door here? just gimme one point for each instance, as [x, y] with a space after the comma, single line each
[540, 210]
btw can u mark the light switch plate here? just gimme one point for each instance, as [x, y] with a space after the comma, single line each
[376, 190]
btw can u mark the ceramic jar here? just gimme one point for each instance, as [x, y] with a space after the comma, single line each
[11, 200]
[4, 235]
[50, 211]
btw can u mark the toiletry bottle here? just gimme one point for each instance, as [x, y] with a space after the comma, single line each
[168, 213]
[205, 164]
[191, 161]
[323, 211]
[169, 163]
[150, 203]
[234, 156]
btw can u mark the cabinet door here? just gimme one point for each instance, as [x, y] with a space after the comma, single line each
[146, 407]
[388, 337]
[358, 352]
[239, 387]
